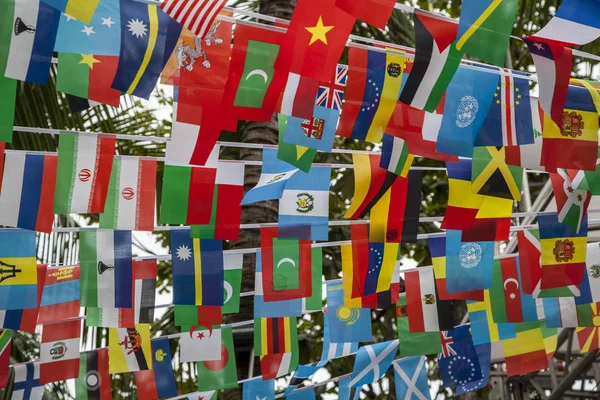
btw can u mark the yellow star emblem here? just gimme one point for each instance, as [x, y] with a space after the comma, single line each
[319, 31]
[89, 60]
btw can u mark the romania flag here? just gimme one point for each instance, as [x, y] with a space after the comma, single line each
[18, 270]
[275, 335]
[575, 145]
[198, 271]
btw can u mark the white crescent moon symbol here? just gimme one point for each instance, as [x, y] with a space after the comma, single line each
[228, 290]
[258, 72]
[284, 260]
[516, 282]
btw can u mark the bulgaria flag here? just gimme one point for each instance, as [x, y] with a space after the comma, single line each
[84, 167]
[59, 351]
[106, 268]
[131, 193]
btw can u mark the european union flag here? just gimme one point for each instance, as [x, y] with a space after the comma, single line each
[458, 361]
[316, 133]
[198, 271]
[468, 264]
[148, 37]
[468, 100]
[484, 355]
[347, 324]
[18, 270]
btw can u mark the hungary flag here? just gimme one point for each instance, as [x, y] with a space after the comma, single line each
[88, 76]
[220, 374]
[94, 381]
[131, 193]
[84, 167]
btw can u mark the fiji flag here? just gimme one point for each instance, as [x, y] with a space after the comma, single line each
[468, 100]
[148, 37]
[315, 133]
[458, 360]
[468, 264]
[509, 120]
[198, 270]
[372, 362]
[18, 270]
[31, 43]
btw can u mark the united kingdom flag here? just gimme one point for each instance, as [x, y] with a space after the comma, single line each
[331, 94]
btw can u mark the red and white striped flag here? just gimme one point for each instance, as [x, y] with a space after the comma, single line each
[195, 15]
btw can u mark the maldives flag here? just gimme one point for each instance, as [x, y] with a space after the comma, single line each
[187, 195]
[373, 12]
[315, 39]
[59, 351]
[88, 76]
[253, 85]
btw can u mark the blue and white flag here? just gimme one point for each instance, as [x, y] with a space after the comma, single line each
[305, 202]
[32, 40]
[302, 373]
[256, 388]
[102, 36]
[410, 376]
[302, 394]
[27, 382]
[271, 309]
[458, 360]
[347, 392]
[347, 324]
[273, 179]
[484, 355]
[334, 350]
[316, 133]
[468, 264]
[372, 362]
[468, 100]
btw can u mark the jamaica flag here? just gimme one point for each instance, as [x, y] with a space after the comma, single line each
[491, 176]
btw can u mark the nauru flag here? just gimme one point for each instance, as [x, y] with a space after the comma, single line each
[27, 195]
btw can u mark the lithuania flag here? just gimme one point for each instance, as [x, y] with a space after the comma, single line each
[88, 76]
[220, 374]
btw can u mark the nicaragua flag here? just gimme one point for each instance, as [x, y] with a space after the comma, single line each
[32, 40]
[148, 37]
[468, 100]
[27, 195]
[273, 179]
[198, 271]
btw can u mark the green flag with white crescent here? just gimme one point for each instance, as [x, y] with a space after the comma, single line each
[257, 75]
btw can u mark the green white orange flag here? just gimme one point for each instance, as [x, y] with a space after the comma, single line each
[84, 168]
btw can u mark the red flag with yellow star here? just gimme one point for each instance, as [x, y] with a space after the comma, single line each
[317, 36]
[373, 12]
[88, 76]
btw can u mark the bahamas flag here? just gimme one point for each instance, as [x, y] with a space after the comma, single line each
[197, 270]
[372, 90]
[18, 270]
[148, 37]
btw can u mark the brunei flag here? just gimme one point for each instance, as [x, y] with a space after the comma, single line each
[275, 335]
[575, 145]
[18, 270]
[371, 182]
[148, 37]
[563, 252]
[374, 80]
[197, 270]
[370, 271]
[129, 349]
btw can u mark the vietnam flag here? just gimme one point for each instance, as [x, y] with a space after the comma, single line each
[317, 37]
[88, 76]
[373, 12]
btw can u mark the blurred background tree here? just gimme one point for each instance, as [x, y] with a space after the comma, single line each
[42, 106]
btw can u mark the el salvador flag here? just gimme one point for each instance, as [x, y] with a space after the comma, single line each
[468, 100]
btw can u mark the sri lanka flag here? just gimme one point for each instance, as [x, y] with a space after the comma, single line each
[29, 47]
[18, 270]
[27, 195]
[148, 37]
[197, 270]
[374, 80]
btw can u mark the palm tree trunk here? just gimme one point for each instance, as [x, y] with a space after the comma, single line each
[266, 211]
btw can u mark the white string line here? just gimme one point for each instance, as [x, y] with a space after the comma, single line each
[163, 228]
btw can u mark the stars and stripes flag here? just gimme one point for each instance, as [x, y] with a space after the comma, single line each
[195, 15]
[331, 93]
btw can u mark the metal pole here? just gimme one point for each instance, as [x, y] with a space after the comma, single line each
[585, 363]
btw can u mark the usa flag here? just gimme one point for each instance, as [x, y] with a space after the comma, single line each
[331, 94]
